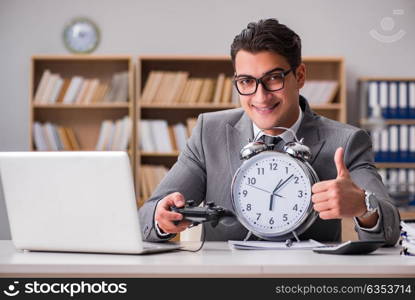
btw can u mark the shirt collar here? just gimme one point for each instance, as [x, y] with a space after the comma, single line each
[286, 135]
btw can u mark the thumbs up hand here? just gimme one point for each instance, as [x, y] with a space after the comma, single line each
[340, 197]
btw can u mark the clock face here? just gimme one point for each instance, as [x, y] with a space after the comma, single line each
[271, 194]
[81, 36]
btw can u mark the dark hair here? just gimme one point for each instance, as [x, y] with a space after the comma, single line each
[269, 35]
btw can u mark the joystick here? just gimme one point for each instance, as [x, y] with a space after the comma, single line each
[198, 215]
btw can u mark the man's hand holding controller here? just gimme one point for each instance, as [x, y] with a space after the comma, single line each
[166, 218]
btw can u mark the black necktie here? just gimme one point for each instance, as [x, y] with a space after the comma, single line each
[271, 140]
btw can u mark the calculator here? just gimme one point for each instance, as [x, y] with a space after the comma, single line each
[351, 247]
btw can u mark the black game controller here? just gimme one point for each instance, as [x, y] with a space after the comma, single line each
[198, 215]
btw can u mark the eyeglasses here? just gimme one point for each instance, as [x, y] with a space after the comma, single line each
[272, 81]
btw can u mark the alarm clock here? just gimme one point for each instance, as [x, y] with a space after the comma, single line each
[271, 190]
[81, 35]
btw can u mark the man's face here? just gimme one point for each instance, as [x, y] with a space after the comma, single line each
[268, 109]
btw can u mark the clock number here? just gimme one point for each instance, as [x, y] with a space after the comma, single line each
[271, 221]
[286, 170]
[284, 217]
[245, 192]
[259, 215]
[296, 180]
[248, 207]
[300, 194]
[261, 171]
[251, 180]
[273, 166]
[295, 207]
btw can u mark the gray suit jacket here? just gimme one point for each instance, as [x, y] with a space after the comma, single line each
[205, 168]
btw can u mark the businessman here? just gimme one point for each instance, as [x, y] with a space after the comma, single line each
[268, 76]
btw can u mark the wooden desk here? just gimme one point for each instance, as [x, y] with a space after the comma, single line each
[216, 259]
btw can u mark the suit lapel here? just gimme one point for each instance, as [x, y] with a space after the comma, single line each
[309, 131]
[237, 136]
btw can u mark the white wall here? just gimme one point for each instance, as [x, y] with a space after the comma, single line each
[327, 27]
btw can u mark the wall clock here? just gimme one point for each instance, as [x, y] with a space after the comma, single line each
[81, 35]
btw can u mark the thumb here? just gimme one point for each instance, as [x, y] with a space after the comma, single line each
[342, 171]
[178, 199]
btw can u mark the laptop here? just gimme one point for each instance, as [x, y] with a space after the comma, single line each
[73, 202]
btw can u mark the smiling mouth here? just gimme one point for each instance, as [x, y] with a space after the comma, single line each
[266, 109]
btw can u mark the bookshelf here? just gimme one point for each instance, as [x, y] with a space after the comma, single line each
[395, 99]
[83, 118]
[318, 69]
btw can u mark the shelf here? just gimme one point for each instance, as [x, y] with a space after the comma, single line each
[188, 106]
[157, 154]
[395, 165]
[387, 79]
[328, 106]
[394, 121]
[87, 106]
[86, 57]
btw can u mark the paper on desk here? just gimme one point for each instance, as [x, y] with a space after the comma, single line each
[267, 245]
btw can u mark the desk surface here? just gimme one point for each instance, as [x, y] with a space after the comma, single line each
[216, 259]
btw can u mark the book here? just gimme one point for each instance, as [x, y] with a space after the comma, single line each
[191, 123]
[73, 89]
[103, 138]
[93, 85]
[64, 139]
[154, 86]
[72, 138]
[180, 136]
[41, 86]
[62, 92]
[219, 88]
[56, 90]
[125, 133]
[323, 91]
[179, 83]
[82, 91]
[47, 93]
[195, 91]
[39, 138]
[227, 91]
[147, 86]
[172, 138]
[206, 93]
[50, 136]
[146, 138]
[185, 95]
[160, 133]
[121, 94]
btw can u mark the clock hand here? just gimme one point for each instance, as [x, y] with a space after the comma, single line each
[271, 200]
[283, 184]
[278, 185]
[264, 190]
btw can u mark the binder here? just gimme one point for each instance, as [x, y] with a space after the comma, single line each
[384, 145]
[403, 143]
[412, 143]
[411, 186]
[393, 181]
[373, 97]
[402, 100]
[376, 144]
[393, 100]
[411, 100]
[383, 98]
[393, 144]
